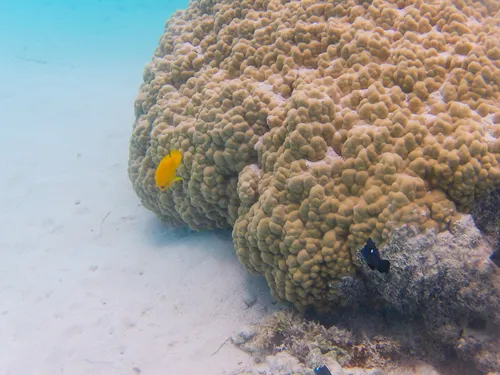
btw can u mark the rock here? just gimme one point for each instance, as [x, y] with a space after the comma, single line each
[315, 358]
[244, 335]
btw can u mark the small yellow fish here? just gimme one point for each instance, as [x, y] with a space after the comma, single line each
[165, 173]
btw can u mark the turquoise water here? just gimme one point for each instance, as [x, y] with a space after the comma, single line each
[93, 52]
[89, 34]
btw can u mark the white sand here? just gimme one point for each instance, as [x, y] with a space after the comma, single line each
[77, 297]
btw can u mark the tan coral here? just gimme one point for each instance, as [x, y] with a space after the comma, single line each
[308, 127]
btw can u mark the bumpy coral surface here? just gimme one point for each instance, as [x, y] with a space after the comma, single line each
[447, 281]
[308, 126]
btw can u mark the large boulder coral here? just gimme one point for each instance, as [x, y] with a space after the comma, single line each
[309, 126]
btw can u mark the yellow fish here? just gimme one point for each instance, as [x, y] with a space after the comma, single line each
[165, 173]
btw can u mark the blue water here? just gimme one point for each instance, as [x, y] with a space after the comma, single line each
[91, 33]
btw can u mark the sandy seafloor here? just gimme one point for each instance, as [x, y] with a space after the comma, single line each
[90, 281]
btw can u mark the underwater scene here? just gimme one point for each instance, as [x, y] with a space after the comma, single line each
[250, 187]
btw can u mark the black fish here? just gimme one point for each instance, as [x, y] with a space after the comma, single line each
[372, 257]
[495, 258]
[322, 370]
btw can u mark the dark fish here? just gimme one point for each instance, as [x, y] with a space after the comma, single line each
[322, 370]
[495, 258]
[372, 257]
